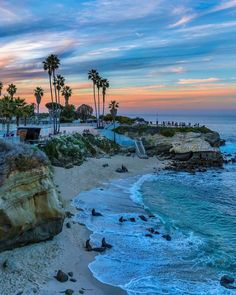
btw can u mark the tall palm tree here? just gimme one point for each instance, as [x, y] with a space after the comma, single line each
[50, 65]
[66, 92]
[113, 106]
[59, 82]
[11, 90]
[38, 93]
[1, 87]
[92, 75]
[99, 85]
[105, 85]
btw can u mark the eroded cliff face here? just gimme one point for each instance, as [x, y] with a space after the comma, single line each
[30, 209]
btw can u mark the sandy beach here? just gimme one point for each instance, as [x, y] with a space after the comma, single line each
[31, 269]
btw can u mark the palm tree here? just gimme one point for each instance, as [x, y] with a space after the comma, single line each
[7, 109]
[20, 104]
[105, 85]
[59, 82]
[1, 87]
[11, 90]
[92, 75]
[113, 106]
[99, 85]
[27, 112]
[50, 65]
[38, 93]
[66, 92]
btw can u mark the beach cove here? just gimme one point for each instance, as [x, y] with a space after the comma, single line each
[66, 251]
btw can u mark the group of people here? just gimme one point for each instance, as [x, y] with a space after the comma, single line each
[175, 124]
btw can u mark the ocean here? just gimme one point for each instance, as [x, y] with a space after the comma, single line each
[197, 211]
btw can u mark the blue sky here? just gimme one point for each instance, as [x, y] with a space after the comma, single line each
[166, 54]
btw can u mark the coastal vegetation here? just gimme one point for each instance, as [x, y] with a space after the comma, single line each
[68, 150]
[14, 107]
[84, 112]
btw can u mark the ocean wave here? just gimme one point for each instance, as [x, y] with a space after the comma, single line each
[140, 264]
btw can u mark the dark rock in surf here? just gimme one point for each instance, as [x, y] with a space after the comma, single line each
[61, 276]
[225, 280]
[167, 237]
[142, 217]
[68, 225]
[132, 219]
[151, 230]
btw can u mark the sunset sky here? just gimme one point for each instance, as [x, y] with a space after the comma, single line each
[157, 54]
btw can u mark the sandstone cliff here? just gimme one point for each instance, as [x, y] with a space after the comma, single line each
[30, 210]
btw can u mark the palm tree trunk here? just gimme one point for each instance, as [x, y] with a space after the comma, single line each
[103, 109]
[114, 124]
[95, 102]
[53, 111]
[59, 112]
[56, 100]
[98, 107]
[38, 113]
[8, 125]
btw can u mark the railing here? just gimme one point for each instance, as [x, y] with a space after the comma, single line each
[140, 150]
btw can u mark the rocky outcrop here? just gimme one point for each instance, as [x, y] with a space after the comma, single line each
[190, 148]
[30, 210]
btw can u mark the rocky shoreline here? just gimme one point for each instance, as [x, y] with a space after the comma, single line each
[188, 150]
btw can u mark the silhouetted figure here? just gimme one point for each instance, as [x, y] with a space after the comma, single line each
[94, 213]
[105, 244]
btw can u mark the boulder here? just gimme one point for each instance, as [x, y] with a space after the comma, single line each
[30, 209]
[213, 138]
[61, 276]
